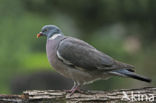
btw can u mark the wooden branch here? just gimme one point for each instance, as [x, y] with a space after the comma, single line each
[141, 95]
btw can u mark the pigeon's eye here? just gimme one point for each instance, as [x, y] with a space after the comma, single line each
[45, 30]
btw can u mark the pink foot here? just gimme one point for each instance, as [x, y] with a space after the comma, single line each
[76, 89]
[73, 90]
[68, 91]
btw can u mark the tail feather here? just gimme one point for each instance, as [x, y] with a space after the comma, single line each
[127, 73]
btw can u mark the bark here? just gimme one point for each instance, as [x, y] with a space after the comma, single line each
[141, 95]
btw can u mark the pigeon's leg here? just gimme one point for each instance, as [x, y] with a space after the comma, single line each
[69, 91]
[75, 89]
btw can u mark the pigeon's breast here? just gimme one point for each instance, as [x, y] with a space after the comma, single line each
[51, 49]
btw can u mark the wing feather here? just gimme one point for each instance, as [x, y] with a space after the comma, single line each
[76, 52]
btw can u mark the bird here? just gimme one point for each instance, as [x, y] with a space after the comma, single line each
[76, 59]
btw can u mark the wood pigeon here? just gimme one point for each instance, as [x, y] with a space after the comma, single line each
[81, 62]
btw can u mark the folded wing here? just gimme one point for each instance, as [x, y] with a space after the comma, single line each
[77, 53]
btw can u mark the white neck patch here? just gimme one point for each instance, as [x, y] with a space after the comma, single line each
[54, 36]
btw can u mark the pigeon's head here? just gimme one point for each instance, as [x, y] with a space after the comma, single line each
[49, 31]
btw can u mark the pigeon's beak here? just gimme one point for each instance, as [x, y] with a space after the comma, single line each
[39, 34]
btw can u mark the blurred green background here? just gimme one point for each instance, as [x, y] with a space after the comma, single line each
[123, 29]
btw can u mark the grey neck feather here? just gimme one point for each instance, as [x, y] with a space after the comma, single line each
[53, 32]
[54, 35]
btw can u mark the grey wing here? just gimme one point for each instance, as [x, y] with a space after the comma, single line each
[78, 53]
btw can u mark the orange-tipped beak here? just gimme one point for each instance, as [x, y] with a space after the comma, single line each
[38, 35]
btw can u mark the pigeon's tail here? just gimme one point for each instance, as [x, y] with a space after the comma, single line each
[129, 73]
